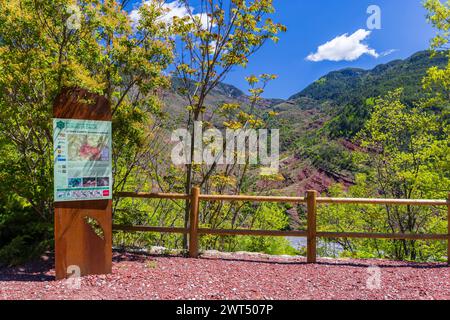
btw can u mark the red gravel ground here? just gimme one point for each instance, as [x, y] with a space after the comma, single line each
[237, 276]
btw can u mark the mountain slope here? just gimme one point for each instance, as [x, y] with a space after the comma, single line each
[317, 124]
[176, 103]
[353, 85]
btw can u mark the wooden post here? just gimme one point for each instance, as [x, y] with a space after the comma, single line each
[311, 203]
[77, 245]
[193, 223]
[448, 229]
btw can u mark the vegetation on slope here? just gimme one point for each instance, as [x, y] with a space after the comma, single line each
[353, 86]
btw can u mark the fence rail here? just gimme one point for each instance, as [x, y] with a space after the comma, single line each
[311, 234]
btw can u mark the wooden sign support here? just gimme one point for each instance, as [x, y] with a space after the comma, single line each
[78, 244]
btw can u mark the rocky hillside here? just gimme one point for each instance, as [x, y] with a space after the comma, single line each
[318, 123]
[175, 103]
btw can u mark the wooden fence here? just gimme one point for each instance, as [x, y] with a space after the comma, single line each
[311, 200]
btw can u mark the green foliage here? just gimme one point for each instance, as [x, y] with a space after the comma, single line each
[404, 134]
[40, 53]
[406, 155]
[380, 219]
[437, 83]
[207, 51]
[438, 15]
[409, 149]
[23, 234]
[353, 86]
[265, 216]
[350, 120]
[406, 158]
[152, 213]
[267, 245]
[352, 91]
[226, 216]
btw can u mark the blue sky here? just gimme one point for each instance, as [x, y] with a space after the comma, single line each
[312, 23]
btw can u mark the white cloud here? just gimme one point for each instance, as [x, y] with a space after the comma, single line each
[388, 52]
[344, 47]
[173, 9]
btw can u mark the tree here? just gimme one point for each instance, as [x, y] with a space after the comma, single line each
[439, 17]
[210, 44]
[437, 83]
[48, 45]
[406, 157]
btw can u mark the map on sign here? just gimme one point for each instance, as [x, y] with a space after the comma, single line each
[82, 160]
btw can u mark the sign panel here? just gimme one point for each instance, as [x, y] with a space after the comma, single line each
[82, 160]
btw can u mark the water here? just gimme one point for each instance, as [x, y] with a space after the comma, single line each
[331, 248]
[297, 242]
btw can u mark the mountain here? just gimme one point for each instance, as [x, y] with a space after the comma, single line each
[175, 103]
[352, 85]
[346, 96]
[317, 124]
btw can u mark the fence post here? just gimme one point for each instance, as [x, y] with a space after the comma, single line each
[193, 223]
[311, 203]
[448, 229]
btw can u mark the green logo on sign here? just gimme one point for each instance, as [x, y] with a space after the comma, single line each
[60, 124]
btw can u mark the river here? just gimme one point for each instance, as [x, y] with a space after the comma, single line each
[331, 248]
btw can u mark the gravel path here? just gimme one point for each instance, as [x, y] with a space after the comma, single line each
[233, 276]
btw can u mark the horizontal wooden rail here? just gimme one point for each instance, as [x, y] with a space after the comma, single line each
[401, 202]
[311, 233]
[321, 200]
[252, 198]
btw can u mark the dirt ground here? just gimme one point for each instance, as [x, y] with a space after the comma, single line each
[232, 276]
